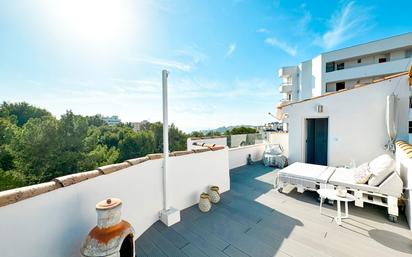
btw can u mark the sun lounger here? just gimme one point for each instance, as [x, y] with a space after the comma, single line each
[386, 194]
[311, 177]
[304, 176]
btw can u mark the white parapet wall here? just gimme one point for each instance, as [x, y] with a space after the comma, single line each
[215, 140]
[54, 224]
[238, 156]
[404, 168]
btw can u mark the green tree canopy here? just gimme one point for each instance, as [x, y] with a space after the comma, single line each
[36, 147]
[241, 130]
[21, 113]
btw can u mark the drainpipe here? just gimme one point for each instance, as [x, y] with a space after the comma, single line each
[168, 215]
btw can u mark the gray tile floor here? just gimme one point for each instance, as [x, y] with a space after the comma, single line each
[254, 220]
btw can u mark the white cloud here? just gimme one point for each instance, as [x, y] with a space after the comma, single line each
[302, 24]
[195, 102]
[292, 50]
[344, 24]
[263, 30]
[231, 49]
[165, 63]
[138, 86]
[193, 53]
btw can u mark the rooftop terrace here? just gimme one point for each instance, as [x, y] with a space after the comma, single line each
[255, 220]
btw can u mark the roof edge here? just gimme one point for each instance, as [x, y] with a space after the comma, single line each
[357, 86]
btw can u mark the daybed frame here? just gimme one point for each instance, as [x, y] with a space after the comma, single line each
[361, 196]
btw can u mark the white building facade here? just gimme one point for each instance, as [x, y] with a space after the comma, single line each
[346, 68]
[113, 120]
[354, 128]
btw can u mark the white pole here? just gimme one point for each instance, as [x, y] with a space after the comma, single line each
[165, 138]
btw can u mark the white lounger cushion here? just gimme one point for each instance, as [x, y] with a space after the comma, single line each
[345, 177]
[381, 167]
[304, 174]
[392, 185]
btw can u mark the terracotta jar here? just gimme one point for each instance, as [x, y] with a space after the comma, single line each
[214, 194]
[204, 203]
[112, 237]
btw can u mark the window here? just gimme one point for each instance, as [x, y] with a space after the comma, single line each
[410, 127]
[340, 66]
[381, 60]
[408, 53]
[359, 60]
[289, 97]
[340, 86]
[410, 102]
[330, 66]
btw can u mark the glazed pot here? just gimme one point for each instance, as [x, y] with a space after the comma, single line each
[204, 203]
[214, 194]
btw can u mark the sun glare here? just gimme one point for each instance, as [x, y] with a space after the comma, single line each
[98, 23]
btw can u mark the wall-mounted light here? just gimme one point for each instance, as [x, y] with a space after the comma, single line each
[319, 108]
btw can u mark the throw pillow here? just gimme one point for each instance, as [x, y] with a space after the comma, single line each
[361, 174]
[381, 167]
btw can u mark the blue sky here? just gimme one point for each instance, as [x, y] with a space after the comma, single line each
[101, 56]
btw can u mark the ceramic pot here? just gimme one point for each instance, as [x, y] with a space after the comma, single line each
[341, 191]
[214, 194]
[204, 203]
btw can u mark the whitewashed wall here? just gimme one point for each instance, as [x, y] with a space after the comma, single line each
[306, 80]
[55, 223]
[317, 76]
[238, 156]
[192, 174]
[404, 168]
[357, 127]
[215, 140]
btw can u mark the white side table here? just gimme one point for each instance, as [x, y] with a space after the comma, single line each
[331, 195]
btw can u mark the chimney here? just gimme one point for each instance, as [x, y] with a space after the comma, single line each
[112, 237]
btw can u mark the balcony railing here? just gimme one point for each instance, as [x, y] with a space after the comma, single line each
[287, 71]
[245, 139]
[370, 70]
[285, 87]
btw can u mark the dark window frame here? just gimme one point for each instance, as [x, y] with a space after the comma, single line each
[330, 66]
[340, 84]
[340, 66]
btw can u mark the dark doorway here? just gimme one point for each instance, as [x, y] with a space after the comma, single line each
[126, 250]
[317, 141]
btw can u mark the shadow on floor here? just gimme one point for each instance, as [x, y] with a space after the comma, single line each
[392, 240]
[252, 219]
[237, 226]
